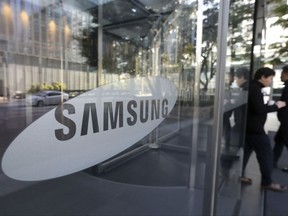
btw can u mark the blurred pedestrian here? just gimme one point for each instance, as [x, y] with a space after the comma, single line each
[281, 137]
[227, 112]
[240, 102]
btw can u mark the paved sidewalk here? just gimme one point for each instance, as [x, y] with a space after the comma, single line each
[276, 202]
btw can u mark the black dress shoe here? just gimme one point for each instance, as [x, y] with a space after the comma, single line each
[285, 169]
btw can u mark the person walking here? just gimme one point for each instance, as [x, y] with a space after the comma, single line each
[281, 137]
[237, 131]
[256, 138]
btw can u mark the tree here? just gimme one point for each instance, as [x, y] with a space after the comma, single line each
[280, 10]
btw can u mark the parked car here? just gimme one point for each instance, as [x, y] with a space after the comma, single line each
[19, 95]
[45, 98]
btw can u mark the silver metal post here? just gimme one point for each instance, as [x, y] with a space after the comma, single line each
[196, 89]
[213, 148]
[100, 43]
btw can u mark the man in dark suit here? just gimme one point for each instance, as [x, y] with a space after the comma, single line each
[281, 137]
[256, 138]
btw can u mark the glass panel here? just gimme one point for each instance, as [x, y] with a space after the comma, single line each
[137, 83]
[139, 48]
[237, 75]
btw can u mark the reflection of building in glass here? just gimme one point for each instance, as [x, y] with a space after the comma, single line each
[52, 41]
[81, 42]
[37, 40]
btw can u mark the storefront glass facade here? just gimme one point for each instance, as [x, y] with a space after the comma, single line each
[127, 106]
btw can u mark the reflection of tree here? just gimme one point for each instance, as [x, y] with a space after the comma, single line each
[120, 57]
[118, 53]
[237, 41]
[187, 54]
[209, 40]
[239, 13]
[280, 10]
[89, 41]
[59, 86]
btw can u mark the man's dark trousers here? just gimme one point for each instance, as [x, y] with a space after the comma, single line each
[260, 143]
[281, 140]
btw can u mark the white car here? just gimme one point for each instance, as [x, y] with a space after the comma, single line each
[47, 98]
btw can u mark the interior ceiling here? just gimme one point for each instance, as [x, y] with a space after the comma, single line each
[133, 19]
[127, 19]
[158, 6]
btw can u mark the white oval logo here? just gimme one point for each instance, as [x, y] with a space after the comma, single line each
[89, 129]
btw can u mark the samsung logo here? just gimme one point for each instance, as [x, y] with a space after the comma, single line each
[89, 129]
[113, 116]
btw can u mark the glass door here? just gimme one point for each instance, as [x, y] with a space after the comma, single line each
[144, 91]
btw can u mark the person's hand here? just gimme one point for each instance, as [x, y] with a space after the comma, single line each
[280, 104]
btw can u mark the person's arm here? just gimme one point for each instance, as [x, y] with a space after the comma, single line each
[278, 104]
[257, 102]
